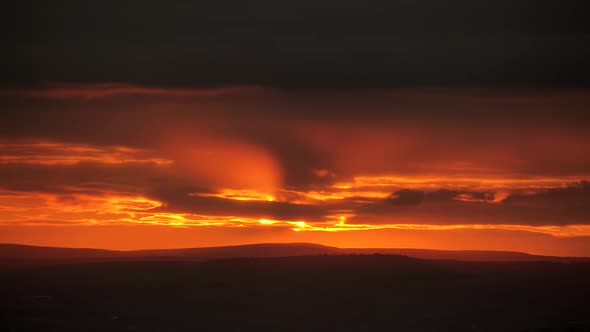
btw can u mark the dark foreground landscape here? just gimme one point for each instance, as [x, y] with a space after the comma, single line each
[314, 292]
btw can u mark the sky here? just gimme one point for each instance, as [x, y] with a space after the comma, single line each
[411, 124]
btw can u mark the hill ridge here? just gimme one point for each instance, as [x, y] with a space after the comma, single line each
[30, 253]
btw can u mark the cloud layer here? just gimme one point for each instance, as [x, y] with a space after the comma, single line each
[194, 160]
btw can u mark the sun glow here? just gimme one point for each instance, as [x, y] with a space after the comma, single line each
[238, 195]
[268, 221]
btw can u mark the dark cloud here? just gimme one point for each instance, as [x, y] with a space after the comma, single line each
[179, 201]
[406, 197]
[554, 206]
[445, 194]
[571, 198]
[299, 44]
[87, 177]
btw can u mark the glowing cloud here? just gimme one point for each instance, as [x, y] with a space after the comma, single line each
[239, 195]
[53, 153]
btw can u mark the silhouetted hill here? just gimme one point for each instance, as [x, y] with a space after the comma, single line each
[17, 251]
[249, 250]
[24, 254]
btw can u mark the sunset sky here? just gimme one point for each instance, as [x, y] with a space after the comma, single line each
[172, 127]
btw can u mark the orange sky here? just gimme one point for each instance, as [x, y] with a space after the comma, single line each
[127, 167]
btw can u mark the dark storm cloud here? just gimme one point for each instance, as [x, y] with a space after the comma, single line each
[299, 44]
[183, 203]
[129, 112]
[573, 197]
[555, 206]
[406, 197]
[410, 197]
[84, 177]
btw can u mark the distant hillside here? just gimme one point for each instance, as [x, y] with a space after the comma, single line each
[17, 251]
[24, 254]
[466, 255]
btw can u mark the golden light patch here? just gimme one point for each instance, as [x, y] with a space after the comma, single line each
[238, 195]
